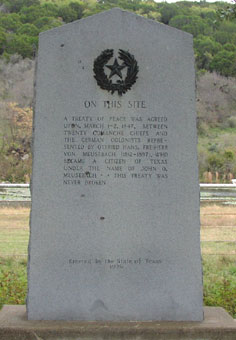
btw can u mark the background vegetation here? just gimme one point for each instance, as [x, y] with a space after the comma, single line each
[213, 26]
[214, 39]
[217, 244]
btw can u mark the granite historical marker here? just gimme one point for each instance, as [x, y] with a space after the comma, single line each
[115, 231]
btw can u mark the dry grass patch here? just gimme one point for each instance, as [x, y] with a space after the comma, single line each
[218, 209]
[14, 218]
[14, 231]
[218, 234]
[219, 248]
[215, 215]
[6, 211]
[218, 230]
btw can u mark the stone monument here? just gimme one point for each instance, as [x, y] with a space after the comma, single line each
[115, 228]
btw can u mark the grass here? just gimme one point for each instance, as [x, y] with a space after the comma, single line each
[13, 281]
[218, 236]
[14, 234]
[218, 215]
[14, 231]
[218, 230]
[215, 135]
[219, 278]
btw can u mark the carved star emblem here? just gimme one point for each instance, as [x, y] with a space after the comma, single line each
[115, 69]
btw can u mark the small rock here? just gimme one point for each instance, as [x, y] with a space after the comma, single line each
[25, 157]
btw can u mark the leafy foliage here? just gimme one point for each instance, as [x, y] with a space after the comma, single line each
[228, 12]
[224, 63]
[213, 25]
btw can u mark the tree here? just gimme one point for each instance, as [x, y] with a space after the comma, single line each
[224, 63]
[3, 41]
[49, 10]
[10, 22]
[205, 49]
[168, 11]
[46, 23]
[228, 12]
[191, 24]
[32, 13]
[226, 32]
[229, 47]
[16, 5]
[78, 8]
[28, 29]
[21, 44]
[229, 161]
[216, 162]
[67, 14]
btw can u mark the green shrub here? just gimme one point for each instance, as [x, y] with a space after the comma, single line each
[220, 282]
[23, 45]
[13, 281]
[215, 162]
[28, 29]
[224, 63]
[231, 122]
[10, 22]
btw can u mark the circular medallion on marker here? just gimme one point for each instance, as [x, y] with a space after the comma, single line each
[105, 81]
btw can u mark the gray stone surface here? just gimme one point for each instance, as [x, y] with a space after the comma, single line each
[115, 232]
[217, 324]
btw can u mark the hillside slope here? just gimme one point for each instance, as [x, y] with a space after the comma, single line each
[216, 109]
[213, 25]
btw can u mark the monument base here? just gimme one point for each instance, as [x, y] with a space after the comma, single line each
[217, 324]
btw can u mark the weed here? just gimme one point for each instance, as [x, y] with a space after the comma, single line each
[13, 281]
